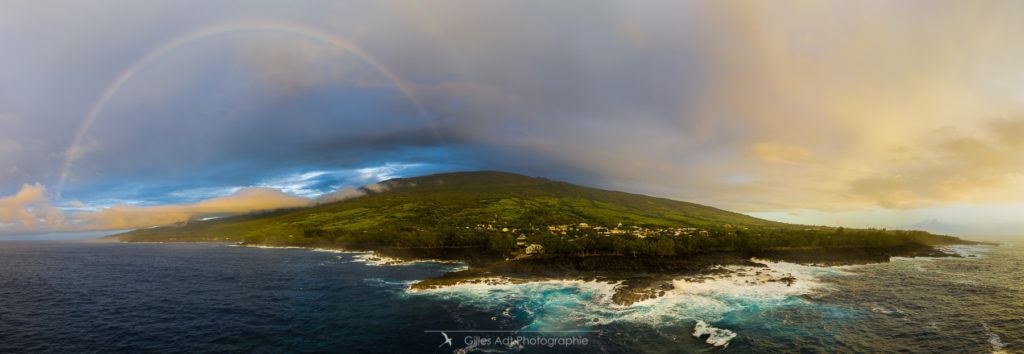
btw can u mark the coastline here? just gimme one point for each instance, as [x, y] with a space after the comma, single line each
[638, 279]
[635, 279]
[737, 307]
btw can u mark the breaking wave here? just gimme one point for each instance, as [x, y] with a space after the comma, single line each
[374, 259]
[994, 339]
[716, 336]
[703, 301]
[369, 258]
[967, 251]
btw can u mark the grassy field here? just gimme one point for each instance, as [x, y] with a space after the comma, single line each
[474, 209]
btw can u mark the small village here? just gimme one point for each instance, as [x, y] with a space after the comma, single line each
[571, 231]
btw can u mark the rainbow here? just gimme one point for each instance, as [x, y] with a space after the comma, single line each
[207, 32]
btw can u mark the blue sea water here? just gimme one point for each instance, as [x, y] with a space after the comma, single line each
[66, 296]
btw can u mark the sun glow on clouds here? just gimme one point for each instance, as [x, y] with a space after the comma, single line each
[30, 210]
[821, 110]
[245, 200]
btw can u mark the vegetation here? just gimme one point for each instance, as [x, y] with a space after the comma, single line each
[494, 210]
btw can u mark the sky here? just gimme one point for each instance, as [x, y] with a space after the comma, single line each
[908, 114]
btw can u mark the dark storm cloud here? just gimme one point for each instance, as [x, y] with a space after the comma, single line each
[753, 106]
[198, 110]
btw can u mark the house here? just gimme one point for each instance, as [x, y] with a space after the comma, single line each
[534, 249]
[521, 240]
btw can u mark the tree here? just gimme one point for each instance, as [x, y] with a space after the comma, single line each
[664, 247]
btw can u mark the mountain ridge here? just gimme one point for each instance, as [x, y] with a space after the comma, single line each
[472, 179]
[502, 212]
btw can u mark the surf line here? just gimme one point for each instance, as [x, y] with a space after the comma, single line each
[508, 331]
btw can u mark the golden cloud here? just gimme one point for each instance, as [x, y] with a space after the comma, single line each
[28, 209]
[775, 152]
[245, 200]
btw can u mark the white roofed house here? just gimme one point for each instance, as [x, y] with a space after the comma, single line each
[534, 249]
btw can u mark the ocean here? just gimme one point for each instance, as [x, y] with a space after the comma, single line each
[87, 297]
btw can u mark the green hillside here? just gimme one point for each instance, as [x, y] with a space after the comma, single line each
[492, 209]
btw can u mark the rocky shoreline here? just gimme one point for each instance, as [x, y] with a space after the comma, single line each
[639, 279]
[636, 279]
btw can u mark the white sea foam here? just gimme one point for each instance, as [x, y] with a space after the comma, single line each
[894, 312]
[909, 259]
[966, 251]
[916, 264]
[369, 257]
[311, 249]
[274, 247]
[324, 250]
[997, 343]
[573, 304]
[374, 259]
[271, 247]
[335, 250]
[387, 283]
[716, 336]
[759, 285]
[552, 303]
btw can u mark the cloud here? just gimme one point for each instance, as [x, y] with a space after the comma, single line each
[832, 106]
[1009, 130]
[245, 200]
[28, 209]
[890, 191]
[341, 194]
[76, 152]
[949, 166]
[9, 153]
[775, 152]
[292, 64]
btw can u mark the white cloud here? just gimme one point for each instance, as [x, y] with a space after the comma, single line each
[29, 209]
[386, 172]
